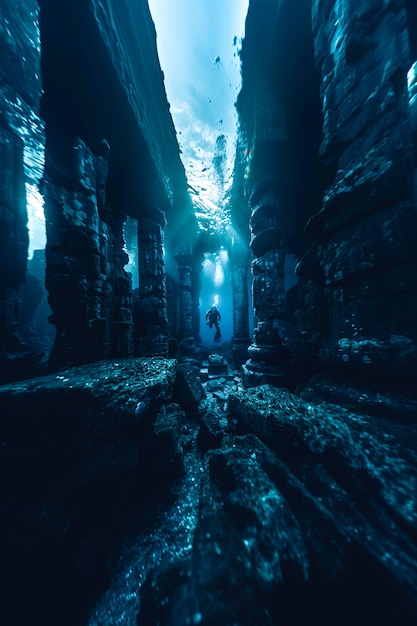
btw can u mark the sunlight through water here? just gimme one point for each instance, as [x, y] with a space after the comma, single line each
[198, 46]
[412, 83]
[36, 219]
[214, 266]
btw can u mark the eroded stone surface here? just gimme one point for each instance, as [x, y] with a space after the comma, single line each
[77, 449]
[309, 517]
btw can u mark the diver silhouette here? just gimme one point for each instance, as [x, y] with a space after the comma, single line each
[213, 319]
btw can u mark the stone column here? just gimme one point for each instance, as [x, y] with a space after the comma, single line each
[269, 357]
[152, 317]
[122, 311]
[21, 163]
[73, 276]
[14, 240]
[195, 306]
[89, 291]
[368, 220]
[240, 342]
[185, 330]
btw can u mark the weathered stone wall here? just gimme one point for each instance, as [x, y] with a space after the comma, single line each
[152, 285]
[354, 307]
[91, 52]
[185, 261]
[239, 263]
[129, 37]
[367, 224]
[172, 313]
[90, 294]
[279, 112]
[21, 148]
[78, 477]
[111, 152]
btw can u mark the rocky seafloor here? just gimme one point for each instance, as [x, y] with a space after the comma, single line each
[149, 492]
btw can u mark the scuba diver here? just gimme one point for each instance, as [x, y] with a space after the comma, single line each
[213, 319]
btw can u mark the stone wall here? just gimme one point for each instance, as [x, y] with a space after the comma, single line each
[354, 306]
[110, 151]
[365, 227]
[21, 148]
[280, 121]
[90, 294]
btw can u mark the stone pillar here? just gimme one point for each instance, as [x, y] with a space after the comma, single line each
[240, 342]
[195, 306]
[21, 164]
[14, 240]
[152, 318]
[73, 277]
[122, 311]
[368, 221]
[172, 314]
[185, 329]
[269, 358]
[89, 291]
[309, 306]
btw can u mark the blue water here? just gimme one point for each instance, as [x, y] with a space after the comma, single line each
[208, 295]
